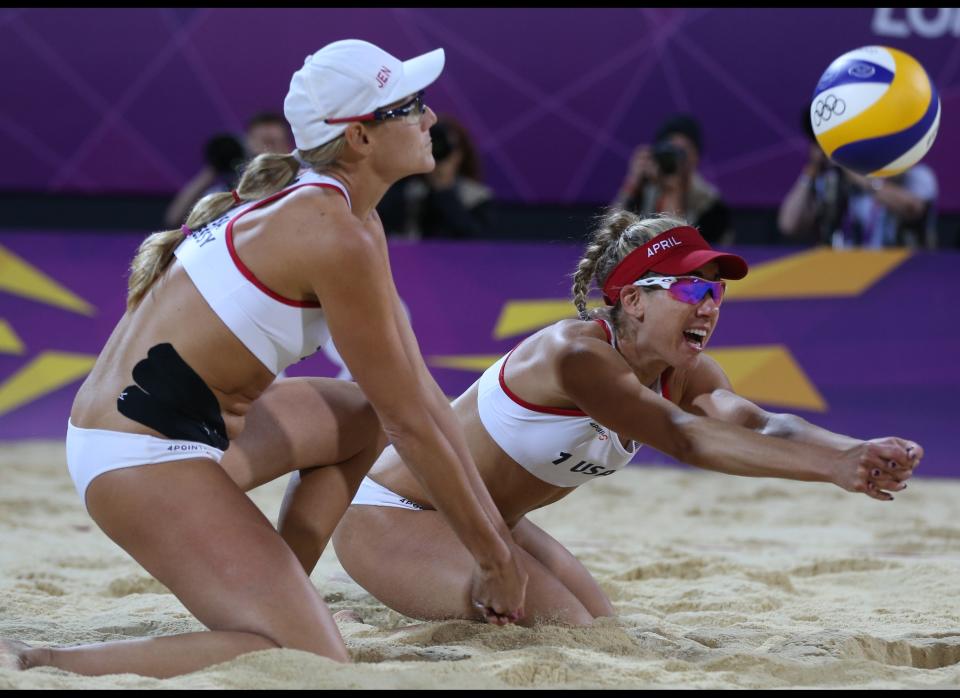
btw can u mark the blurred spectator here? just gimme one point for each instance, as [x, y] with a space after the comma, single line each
[834, 206]
[224, 154]
[267, 132]
[665, 178]
[451, 201]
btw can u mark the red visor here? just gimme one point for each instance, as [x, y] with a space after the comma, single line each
[677, 251]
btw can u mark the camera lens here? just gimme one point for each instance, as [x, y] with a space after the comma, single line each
[668, 158]
[224, 153]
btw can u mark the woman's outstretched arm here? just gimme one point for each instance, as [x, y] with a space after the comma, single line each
[603, 386]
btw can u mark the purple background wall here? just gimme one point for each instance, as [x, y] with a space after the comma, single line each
[885, 361]
[122, 100]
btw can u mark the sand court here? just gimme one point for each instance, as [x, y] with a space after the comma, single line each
[719, 582]
[490, 169]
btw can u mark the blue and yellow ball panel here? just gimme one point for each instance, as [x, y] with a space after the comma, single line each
[875, 111]
[875, 155]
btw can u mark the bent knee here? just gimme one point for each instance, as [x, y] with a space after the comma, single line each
[352, 397]
[362, 416]
[305, 625]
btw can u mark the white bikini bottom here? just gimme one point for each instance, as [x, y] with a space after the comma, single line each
[92, 452]
[372, 494]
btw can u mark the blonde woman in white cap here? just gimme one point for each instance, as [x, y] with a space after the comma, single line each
[255, 280]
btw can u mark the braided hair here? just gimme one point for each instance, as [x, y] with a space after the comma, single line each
[618, 233]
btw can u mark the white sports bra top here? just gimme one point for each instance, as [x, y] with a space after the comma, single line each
[563, 447]
[278, 331]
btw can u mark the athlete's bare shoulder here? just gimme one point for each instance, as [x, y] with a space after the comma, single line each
[554, 344]
[320, 219]
[577, 327]
[576, 334]
[313, 204]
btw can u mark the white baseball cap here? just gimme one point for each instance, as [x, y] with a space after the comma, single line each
[350, 78]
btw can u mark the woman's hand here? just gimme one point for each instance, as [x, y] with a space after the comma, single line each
[498, 592]
[816, 162]
[641, 169]
[877, 467]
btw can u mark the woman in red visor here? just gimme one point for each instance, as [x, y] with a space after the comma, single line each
[572, 404]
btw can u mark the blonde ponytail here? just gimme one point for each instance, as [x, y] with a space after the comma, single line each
[586, 268]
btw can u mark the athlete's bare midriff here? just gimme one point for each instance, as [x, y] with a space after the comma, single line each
[514, 490]
[172, 312]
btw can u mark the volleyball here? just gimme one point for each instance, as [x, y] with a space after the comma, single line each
[875, 111]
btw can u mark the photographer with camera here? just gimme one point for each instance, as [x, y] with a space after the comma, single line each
[833, 206]
[224, 156]
[450, 201]
[665, 178]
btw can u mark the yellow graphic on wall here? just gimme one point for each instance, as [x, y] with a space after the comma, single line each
[10, 343]
[21, 279]
[769, 374]
[49, 370]
[518, 317]
[466, 362]
[817, 273]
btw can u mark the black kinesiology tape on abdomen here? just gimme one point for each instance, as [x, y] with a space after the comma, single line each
[171, 398]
